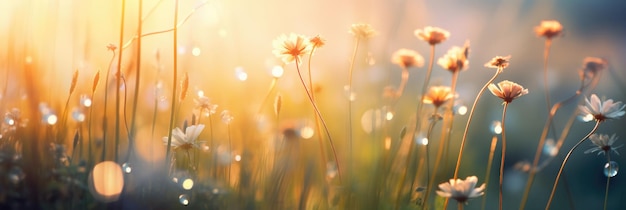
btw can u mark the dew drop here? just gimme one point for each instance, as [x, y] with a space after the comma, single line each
[127, 168]
[611, 168]
[183, 199]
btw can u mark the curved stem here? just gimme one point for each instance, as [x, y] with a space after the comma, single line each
[506, 105]
[542, 139]
[556, 181]
[318, 130]
[469, 121]
[332, 145]
[104, 112]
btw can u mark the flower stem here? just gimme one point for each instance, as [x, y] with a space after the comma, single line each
[608, 179]
[546, 54]
[544, 134]
[133, 126]
[420, 104]
[318, 130]
[446, 130]
[118, 79]
[230, 152]
[350, 71]
[556, 181]
[506, 105]
[104, 112]
[469, 121]
[175, 80]
[492, 149]
[428, 136]
[332, 145]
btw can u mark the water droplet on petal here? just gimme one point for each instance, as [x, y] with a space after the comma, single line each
[126, 168]
[611, 168]
[183, 199]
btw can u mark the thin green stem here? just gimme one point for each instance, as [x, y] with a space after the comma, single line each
[459, 205]
[506, 105]
[428, 136]
[469, 121]
[420, 104]
[104, 112]
[542, 139]
[556, 181]
[318, 130]
[230, 151]
[608, 179]
[492, 149]
[350, 92]
[176, 26]
[174, 79]
[118, 83]
[133, 122]
[332, 145]
[546, 54]
[446, 130]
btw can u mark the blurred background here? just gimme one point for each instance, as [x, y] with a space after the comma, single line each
[225, 46]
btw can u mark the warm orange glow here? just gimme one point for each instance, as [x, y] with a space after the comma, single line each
[106, 181]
